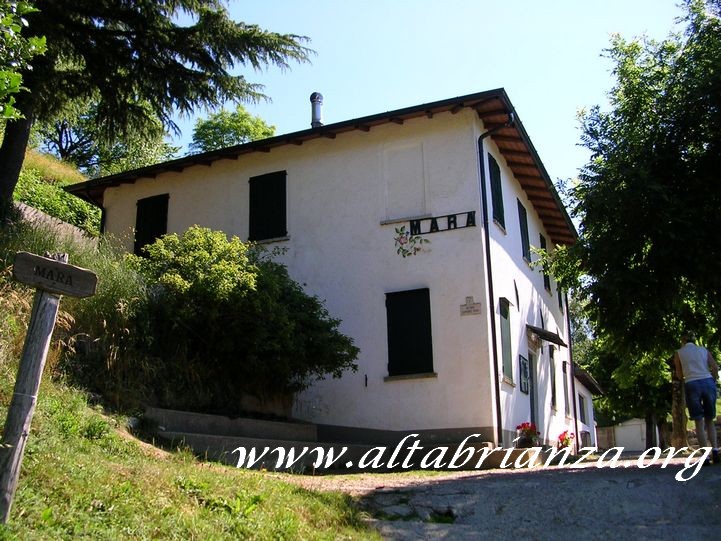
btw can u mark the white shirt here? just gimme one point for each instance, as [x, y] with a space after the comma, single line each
[694, 362]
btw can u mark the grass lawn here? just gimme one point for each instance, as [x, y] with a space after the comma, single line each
[82, 477]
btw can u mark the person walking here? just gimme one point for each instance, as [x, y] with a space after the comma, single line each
[699, 371]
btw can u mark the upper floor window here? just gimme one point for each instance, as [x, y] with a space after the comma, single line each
[151, 221]
[546, 277]
[560, 297]
[496, 192]
[523, 224]
[267, 218]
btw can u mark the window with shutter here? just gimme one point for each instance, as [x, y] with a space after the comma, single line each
[267, 216]
[506, 339]
[560, 297]
[566, 398]
[582, 408]
[546, 277]
[410, 348]
[552, 366]
[151, 221]
[523, 223]
[496, 192]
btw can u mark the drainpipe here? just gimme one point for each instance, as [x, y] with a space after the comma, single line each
[491, 296]
[573, 375]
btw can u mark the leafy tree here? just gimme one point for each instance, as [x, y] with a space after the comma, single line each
[226, 320]
[648, 262]
[225, 128]
[16, 51]
[76, 137]
[136, 58]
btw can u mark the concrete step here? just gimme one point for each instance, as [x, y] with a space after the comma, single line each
[202, 423]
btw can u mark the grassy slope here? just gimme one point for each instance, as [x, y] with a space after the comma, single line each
[41, 186]
[82, 479]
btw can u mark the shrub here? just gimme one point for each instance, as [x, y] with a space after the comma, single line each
[225, 320]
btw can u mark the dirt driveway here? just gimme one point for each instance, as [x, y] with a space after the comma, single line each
[626, 502]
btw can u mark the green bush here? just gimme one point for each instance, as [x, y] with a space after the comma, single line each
[224, 321]
[202, 323]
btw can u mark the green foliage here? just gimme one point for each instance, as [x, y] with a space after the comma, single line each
[225, 128]
[649, 199]
[142, 62]
[221, 321]
[646, 265]
[48, 196]
[224, 321]
[76, 136]
[16, 51]
[133, 55]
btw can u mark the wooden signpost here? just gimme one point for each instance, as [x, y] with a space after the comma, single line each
[52, 276]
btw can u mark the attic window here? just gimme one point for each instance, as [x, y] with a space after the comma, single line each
[267, 215]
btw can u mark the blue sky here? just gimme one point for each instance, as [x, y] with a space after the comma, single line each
[377, 55]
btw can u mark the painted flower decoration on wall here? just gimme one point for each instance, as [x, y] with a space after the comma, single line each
[407, 244]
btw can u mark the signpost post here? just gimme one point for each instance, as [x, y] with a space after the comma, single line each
[52, 277]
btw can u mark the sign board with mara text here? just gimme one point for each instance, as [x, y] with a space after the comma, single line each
[54, 276]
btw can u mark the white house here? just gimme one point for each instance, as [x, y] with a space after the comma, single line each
[458, 335]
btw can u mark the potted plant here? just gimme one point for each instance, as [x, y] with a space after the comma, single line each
[527, 435]
[565, 439]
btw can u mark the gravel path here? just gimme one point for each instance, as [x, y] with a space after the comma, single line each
[606, 503]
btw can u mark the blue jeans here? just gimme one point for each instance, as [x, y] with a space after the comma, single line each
[701, 398]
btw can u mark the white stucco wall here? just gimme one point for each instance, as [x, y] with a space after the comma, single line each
[512, 273]
[337, 198]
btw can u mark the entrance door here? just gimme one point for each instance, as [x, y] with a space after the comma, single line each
[532, 388]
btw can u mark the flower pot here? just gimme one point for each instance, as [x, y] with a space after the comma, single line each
[525, 442]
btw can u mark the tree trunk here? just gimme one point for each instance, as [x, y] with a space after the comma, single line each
[650, 430]
[12, 154]
[679, 437]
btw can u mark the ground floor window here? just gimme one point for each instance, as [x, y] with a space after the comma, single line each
[151, 221]
[410, 347]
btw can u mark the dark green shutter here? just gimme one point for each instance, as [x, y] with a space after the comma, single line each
[506, 339]
[151, 221]
[267, 218]
[546, 277]
[496, 191]
[410, 348]
[523, 222]
[552, 362]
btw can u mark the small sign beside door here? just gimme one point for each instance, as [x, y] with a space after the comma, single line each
[470, 308]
